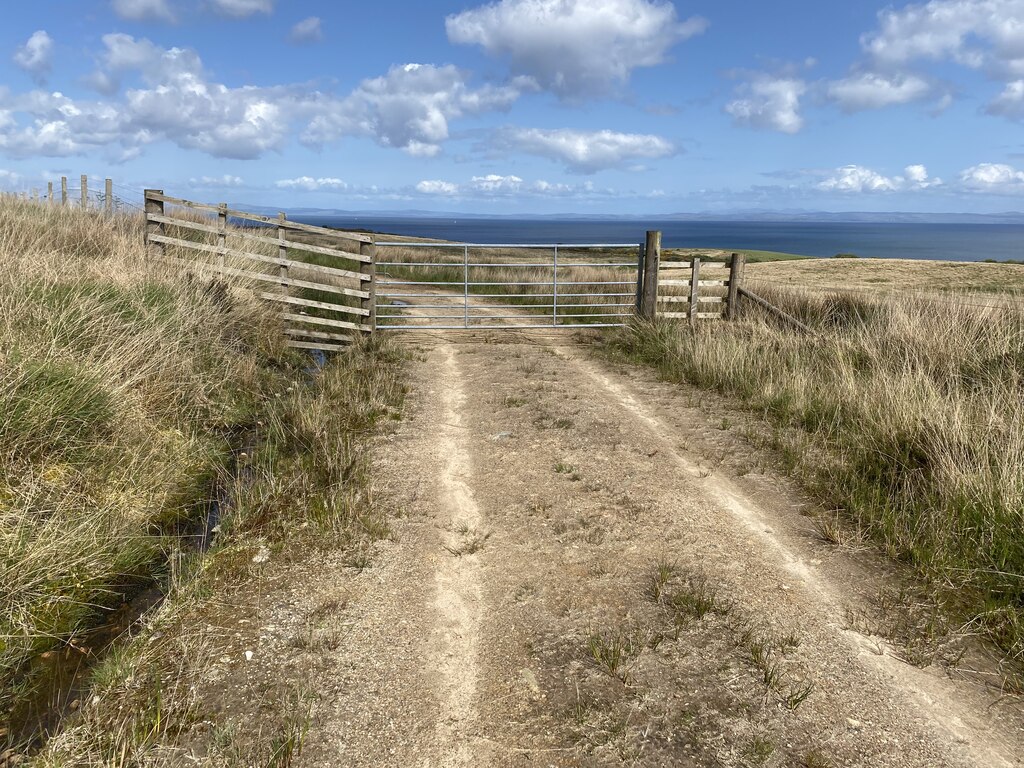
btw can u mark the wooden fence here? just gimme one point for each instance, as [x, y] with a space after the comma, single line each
[84, 196]
[324, 280]
[692, 291]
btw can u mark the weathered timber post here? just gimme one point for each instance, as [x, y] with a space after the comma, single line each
[154, 205]
[109, 195]
[63, 190]
[736, 270]
[49, 192]
[35, 195]
[85, 192]
[694, 290]
[368, 282]
[222, 235]
[652, 258]
[640, 257]
[282, 252]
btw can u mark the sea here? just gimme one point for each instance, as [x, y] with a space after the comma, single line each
[947, 242]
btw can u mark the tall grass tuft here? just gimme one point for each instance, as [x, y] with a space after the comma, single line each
[120, 385]
[906, 414]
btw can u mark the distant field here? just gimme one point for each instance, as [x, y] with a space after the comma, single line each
[888, 275]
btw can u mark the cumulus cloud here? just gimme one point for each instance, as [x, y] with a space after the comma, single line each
[36, 56]
[587, 151]
[227, 180]
[857, 179]
[309, 184]
[307, 31]
[510, 186]
[144, 10]
[437, 187]
[994, 178]
[975, 33]
[171, 97]
[769, 102]
[8, 178]
[240, 9]
[409, 108]
[1010, 103]
[871, 90]
[575, 48]
[980, 34]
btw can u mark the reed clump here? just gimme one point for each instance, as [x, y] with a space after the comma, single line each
[905, 413]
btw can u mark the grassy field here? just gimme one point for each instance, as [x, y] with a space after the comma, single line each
[131, 396]
[902, 413]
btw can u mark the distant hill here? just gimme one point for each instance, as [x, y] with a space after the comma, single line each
[867, 217]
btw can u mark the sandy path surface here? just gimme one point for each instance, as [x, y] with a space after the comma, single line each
[513, 621]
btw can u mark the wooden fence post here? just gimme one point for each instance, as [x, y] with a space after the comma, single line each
[652, 257]
[222, 235]
[109, 195]
[49, 192]
[63, 190]
[369, 282]
[35, 195]
[282, 252]
[694, 289]
[85, 192]
[640, 258]
[736, 270]
[154, 206]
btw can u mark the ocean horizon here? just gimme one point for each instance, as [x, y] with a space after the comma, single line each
[945, 242]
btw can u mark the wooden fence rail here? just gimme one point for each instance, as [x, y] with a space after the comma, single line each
[705, 290]
[329, 283]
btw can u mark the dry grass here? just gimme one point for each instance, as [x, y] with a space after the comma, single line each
[906, 415]
[124, 387]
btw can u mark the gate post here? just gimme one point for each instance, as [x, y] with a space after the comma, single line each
[154, 205]
[641, 257]
[652, 257]
[368, 282]
[736, 269]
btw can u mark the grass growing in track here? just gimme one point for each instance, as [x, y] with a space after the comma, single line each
[124, 388]
[905, 414]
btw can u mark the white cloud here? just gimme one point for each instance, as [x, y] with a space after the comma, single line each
[144, 10]
[994, 178]
[36, 55]
[9, 178]
[242, 8]
[857, 179]
[309, 184]
[1009, 103]
[587, 151]
[156, 65]
[492, 184]
[409, 108]
[437, 187]
[769, 102]
[307, 31]
[975, 33]
[227, 180]
[874, 91]
[575, 48]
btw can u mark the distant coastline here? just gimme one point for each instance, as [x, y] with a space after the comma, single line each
[947, 241]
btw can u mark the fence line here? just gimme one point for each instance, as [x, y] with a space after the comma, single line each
[315, 285]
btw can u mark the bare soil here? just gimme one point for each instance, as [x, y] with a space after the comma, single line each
[587, 569]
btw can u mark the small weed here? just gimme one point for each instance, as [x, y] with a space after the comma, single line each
[797, 695]
[663, 573]
[611, 652]
[563, 424]
[514, 401]
[814, 759]
[759, 750]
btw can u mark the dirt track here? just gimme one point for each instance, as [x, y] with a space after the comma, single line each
[513, 621]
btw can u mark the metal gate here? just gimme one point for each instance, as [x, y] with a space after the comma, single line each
[422, 285]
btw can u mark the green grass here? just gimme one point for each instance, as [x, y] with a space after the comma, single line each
[125, 388]
[905, 416]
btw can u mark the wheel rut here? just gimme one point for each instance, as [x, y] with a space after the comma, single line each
[511, 622]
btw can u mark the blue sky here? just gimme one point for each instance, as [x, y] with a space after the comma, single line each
[620, 106]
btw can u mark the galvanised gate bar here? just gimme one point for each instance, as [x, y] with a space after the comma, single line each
[492, 286]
